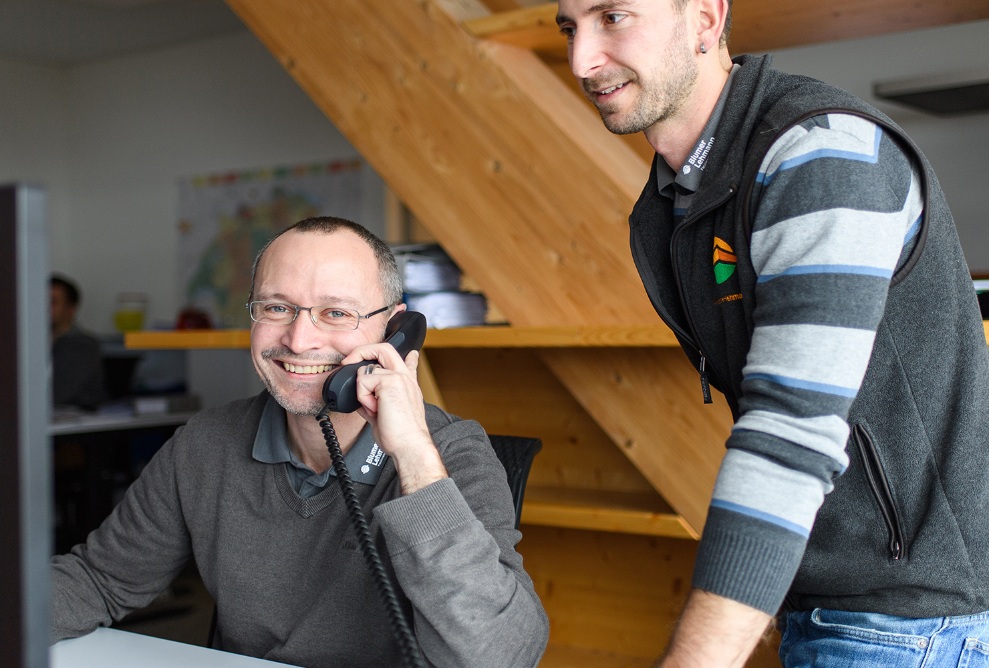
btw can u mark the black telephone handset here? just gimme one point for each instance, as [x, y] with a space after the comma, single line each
[406, 331]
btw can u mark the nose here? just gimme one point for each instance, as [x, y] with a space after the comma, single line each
[302, 334]
[585, 54]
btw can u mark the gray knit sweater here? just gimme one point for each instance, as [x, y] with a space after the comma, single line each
[289, 582]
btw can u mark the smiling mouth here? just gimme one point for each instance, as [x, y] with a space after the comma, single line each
[306, 369]
[611, 89]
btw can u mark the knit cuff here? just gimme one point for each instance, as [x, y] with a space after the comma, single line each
[747, 560]
[423, 515]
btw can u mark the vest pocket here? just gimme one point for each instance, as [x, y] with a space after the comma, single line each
[881, 490]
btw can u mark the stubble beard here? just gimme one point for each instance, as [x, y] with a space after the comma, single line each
[310, 406]
[661, 99]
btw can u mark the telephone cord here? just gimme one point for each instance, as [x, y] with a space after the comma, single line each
[408, 646]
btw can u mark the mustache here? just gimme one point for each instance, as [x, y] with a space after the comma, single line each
[313, 358]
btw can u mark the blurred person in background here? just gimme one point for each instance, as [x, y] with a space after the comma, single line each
[77, 364]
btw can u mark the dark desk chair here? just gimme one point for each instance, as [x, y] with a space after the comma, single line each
[516, 454]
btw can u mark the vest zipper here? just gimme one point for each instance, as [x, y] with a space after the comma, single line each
[705, 381]
[702, 365]
[881, 490]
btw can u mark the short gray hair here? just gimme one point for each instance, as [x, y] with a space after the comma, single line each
[388, 274]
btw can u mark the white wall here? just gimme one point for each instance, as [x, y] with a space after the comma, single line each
[109, 139]
[33, 132]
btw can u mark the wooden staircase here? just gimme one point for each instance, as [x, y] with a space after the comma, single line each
[474, 122]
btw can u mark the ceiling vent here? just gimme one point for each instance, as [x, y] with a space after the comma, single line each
[945, 95]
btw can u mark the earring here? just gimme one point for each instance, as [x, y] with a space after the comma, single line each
[703, 48]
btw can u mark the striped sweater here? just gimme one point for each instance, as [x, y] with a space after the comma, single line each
[820, 256]
[823, 257]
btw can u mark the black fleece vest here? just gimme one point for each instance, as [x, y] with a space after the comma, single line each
[903, 531]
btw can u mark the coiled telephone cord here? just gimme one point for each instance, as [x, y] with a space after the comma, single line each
[411, 657]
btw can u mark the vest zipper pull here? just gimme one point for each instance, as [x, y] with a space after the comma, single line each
[705, 383]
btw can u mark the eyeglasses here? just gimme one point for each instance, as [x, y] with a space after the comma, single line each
[324, 317]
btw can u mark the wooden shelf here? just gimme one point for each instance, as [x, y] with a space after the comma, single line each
[639, 336]
[190, 339]
[634, 336]
[621, 512]
[462, 337]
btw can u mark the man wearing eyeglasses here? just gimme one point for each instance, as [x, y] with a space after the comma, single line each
[247, 491]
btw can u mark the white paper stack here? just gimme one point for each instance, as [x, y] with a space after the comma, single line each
[431, 281]
[450, 309]
[426, 268]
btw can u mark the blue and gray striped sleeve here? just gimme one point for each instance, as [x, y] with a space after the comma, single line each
[838, 208]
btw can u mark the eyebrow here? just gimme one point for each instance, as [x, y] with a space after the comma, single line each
[324, 300]
[593, 9]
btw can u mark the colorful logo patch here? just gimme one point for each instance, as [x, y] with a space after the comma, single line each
[724, 261]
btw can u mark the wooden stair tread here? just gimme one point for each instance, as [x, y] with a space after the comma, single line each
[623, 512]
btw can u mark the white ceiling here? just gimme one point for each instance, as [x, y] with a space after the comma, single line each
[69, 32]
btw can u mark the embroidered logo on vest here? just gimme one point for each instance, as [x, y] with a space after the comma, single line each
[724, 261]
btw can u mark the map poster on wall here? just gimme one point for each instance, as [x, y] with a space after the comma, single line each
[225, 219]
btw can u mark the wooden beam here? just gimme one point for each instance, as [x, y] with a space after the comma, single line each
[763, 25]
[649, 402]
[759, 25]
[617, 512]
[520, 183]
[532, 28]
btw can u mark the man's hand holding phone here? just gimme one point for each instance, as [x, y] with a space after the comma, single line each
[391, 402]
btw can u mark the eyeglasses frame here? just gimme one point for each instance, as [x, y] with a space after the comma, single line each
[312, 317]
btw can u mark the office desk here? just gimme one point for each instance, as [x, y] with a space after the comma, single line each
[111, 647]
[96, 457]
[96, 423]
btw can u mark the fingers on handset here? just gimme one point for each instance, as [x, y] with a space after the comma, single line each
[383, 353]
[412, 361]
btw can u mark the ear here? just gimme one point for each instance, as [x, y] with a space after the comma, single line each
[711, 18]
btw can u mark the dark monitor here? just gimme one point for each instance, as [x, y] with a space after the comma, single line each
[25, 488]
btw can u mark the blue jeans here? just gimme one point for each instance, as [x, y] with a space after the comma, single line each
[838, 639]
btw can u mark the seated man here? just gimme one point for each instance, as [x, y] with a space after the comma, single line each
[245, 490]
[77, 362]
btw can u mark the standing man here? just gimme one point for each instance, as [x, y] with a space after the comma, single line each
[246, 490]
[799, 245]
[77, 363]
